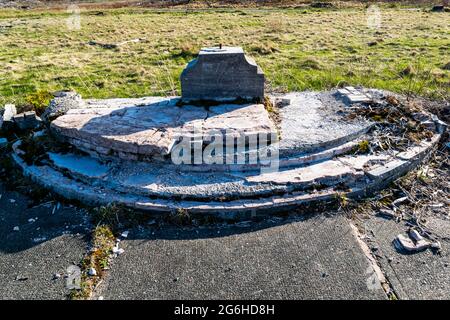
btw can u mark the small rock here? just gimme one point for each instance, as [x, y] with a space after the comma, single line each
[63, 102]
[124, 234]
[56, 276]
[92, 272]
[117, 250]
[100, 298]
[16, 228]
[436, 245]
[399, 201]
[21, 278]
[12, 201]
[6, 120]
[27, 120]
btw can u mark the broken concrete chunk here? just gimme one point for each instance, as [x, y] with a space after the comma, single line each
[399, 201]
[27, 120]
[403, 242]
[343, 92]
[441, 126]
[118, 251]
[357, 98]
[63, 102]
[92, 272]
[6, 120]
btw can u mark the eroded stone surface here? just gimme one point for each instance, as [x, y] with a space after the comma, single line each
[77, 164]
[222, 74]
[61, 103]
[149, 127]
[316, 120]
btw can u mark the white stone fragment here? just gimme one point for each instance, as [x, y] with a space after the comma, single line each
[16, 228]
[92, 272]
[117, 250]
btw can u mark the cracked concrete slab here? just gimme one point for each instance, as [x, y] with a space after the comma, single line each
[314, 257]
[145, 126]
[421, 275]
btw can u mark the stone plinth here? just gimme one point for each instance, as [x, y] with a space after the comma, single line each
[148, 128]
[222, 74]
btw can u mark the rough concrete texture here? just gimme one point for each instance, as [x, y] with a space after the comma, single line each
[27, 120]
[147, 128]
[352, 95]
[222, 74]
[314, 121]
[36, 244]
[308, 258]
[61, 103]
[150, 127]
[422, 275]
[154, 188]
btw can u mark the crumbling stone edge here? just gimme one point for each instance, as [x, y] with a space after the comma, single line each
[244, 208]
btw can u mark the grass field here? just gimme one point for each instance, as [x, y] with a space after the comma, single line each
[297, 48]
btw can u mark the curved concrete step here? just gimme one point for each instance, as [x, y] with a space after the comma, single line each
[71, 188]
[147, 129]
[159, 181]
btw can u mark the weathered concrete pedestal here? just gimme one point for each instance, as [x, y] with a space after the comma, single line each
[222, 74]
[124, 148]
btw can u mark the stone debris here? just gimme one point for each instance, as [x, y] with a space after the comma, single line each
[21, 278]
[124, 234]
[414, 243]
[62, 102]
[352, 95]
[6, 119]
[27, 120]
[16, 228]
[92, 272]
[399, 201]
[56, 276]
[116, 250]
[387, 213]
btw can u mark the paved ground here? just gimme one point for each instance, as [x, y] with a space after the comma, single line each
[30, 257]
[313, 257]
[423, 275]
